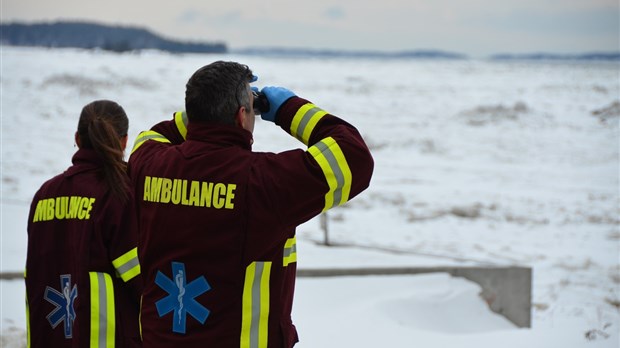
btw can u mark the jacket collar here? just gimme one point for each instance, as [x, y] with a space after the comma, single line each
[219, 135]
[84, 160]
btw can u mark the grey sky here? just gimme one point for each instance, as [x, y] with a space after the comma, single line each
[473, 27]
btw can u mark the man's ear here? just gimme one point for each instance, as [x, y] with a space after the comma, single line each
[240, 117]
[77, 140]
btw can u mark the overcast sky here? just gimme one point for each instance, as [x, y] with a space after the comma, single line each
[472, 27]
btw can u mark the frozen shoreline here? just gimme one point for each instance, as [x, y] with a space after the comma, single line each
[506, 163]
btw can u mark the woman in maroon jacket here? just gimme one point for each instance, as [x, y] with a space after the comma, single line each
[83, 280]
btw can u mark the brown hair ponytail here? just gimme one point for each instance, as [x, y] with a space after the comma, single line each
[102, 125]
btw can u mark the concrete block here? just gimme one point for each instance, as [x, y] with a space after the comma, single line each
[507, 290]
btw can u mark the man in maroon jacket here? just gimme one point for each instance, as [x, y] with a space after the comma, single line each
[217, 221]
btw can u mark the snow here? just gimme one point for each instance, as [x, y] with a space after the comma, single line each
[476, 163]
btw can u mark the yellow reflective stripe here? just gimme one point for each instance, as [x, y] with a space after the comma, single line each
[305, 120]
[94, 312]
[148, 135]
[102, 315]
[255, 316]
[180, 119]
[337, 173]
[290, 251]
[127, 265]
[246, 316]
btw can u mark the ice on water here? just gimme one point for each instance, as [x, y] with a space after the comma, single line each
[510, 163]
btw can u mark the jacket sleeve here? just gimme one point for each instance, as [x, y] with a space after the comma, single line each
[171, 132]
[123, 249]
[336, 166]
[161, 135]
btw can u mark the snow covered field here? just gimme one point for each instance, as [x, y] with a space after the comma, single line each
[477, 162]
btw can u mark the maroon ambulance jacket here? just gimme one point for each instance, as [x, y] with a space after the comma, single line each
[217, 223]
[83, 278]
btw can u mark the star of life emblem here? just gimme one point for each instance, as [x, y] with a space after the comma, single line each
[64, 301]
[181, 298]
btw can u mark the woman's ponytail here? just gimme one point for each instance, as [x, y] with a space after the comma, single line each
[102, 125]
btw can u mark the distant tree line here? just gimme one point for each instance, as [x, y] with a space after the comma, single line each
[121, 39]
[331, 53]
[612, 56]
[90, 35]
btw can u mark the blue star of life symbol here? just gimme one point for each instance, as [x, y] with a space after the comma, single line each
[64, 302]
[181, 299]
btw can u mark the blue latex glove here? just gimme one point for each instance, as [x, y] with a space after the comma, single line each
[276, 97]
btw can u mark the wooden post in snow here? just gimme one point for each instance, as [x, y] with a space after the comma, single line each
[323, 221]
